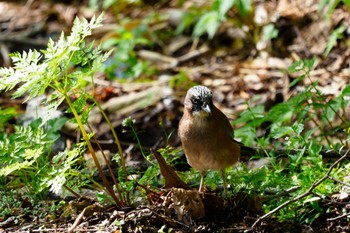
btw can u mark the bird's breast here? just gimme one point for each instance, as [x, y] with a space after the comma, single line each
[207, 146]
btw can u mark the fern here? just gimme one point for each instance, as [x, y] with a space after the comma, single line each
[60, 71]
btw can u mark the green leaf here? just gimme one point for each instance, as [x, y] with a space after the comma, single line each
[298, 128]
[33, 73]
[295, 67]
[57, 71]
[209, 23]
[186, 22]
[314, 149]
[247, 134]
[296, 80]
[85, 114]
[108, 3]
[281, 131]
[322, 4]
[347, 3]
[251, 114]
[54, 125]
[331, 108]
[281, 112]
[6, 114]
[80, 104]
[309, 63]
[30, 156]
[270, 32]
[302, 65]
[332, 41]
[224, 7]
[244, 7]
[149, 176]
[346, 90]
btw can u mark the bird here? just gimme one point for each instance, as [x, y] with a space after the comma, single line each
[207, 135]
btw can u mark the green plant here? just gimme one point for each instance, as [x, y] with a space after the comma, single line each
[125, 64]
[166, 135]
[303, 125]
[150, 175]
[25, 157]
[9, 202]
[60, 70]
[210, 19]
[130, 123]
[116, 5]
[336, 35]
[328, 6]
[6, 114]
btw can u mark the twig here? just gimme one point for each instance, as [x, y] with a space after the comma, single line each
[147, 189]
[275, 195]
[87, 211]
[308, 192]
[72, 191]
[339, 217]
[170, 220]
[338, 181]
[77, 221]
[193, 54]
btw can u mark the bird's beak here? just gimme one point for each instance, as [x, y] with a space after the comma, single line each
[206, 108]
[204, 111]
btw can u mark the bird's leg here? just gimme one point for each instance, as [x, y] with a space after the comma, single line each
[203, 174]
[224, 181]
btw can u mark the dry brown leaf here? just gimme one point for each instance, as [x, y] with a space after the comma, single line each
[172, 180]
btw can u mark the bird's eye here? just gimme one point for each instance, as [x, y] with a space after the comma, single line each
[197, 101]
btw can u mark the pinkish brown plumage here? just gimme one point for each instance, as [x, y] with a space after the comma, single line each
[206, 134]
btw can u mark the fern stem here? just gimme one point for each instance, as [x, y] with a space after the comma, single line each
[86, 138]
[117, 142]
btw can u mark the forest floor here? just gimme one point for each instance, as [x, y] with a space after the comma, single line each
[239, 67]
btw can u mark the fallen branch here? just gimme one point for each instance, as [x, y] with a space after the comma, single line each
[308, 192]
[339, 217]
[280, 153]
[338, 181]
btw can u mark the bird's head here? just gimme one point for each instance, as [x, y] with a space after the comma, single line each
[199, 102]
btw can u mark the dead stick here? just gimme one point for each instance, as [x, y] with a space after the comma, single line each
[339, 217]
[338, 181]
[308, 192]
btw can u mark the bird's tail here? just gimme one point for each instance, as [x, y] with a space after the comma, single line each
[248, 151]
